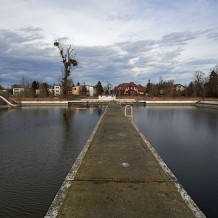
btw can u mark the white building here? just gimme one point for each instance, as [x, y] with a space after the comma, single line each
[180, 88]
[18, 91]
[76, 90]
[57, 90]
[91, 91]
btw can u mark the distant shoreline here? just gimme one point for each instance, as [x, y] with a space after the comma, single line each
[163, 101]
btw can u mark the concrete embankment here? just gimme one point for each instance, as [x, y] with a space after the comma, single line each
[208, 104]
[119, 174]
[170, 103]
[82, 102]
[99, 102]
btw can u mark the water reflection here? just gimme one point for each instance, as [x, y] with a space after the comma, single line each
[38, 147]
[186, 138]
[67, 123]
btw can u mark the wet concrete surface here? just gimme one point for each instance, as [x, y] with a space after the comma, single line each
[120, 177]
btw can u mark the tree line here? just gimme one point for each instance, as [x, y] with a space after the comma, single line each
[200, 86]
[204, 86]
[42, 89]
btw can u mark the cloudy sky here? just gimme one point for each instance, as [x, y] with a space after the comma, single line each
[115, 41]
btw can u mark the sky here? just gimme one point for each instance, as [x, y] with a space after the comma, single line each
[115, 41]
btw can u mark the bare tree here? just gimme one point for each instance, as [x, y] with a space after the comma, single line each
[69, 61]
[24, 81]
[199, 81]
[108, 88]
[0, 83]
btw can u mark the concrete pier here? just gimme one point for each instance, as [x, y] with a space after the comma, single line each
[120, 175]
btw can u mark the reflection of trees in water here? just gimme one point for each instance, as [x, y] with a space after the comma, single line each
[100, 110]
[67, 119]
[67, 145]
[74, 123]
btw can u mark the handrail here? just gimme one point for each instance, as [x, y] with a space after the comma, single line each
[8, 102]
[131, 111]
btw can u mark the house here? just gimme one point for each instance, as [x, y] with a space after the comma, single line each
[57, 91]
[76, 90]
[18, 91]
[179, 88]
[91, 91]
[37, 91]
[130, 89]
[3, 91]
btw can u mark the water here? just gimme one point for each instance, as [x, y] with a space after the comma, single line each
[38, 146]
[187, 140]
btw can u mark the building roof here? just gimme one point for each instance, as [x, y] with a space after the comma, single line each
[175, 85]
[123, 86]
[141, 88]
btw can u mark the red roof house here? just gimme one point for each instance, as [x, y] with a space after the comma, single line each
[130, 89]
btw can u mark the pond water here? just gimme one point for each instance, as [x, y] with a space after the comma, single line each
[187, 140]
[38, 146]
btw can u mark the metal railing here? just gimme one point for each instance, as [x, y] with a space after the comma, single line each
[131, 111]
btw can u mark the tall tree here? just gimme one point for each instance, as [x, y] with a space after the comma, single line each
[35, 85]
[1, 87]
[24, 81]
[108, 88]
[44, 90]
[149, 88]
[190, 89]
[212, 84]
[99, 88]
[169, 87]
[199, 81]
[84, 89]
[69, 61]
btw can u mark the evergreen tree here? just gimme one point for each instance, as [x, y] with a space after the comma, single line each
[35, 85]
[44, 90]
[190, 89]
[99, 88]
[84, 90]
[212, 85]
[149, 88]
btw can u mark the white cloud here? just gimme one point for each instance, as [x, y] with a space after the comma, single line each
[116, 40]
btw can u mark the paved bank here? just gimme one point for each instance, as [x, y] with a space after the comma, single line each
[85, 102]
[120, 177]
[208, 104]
[82, 102]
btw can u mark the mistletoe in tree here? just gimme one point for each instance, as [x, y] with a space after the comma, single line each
[69, 61]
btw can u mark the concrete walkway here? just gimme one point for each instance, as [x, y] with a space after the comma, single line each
[120, 177]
